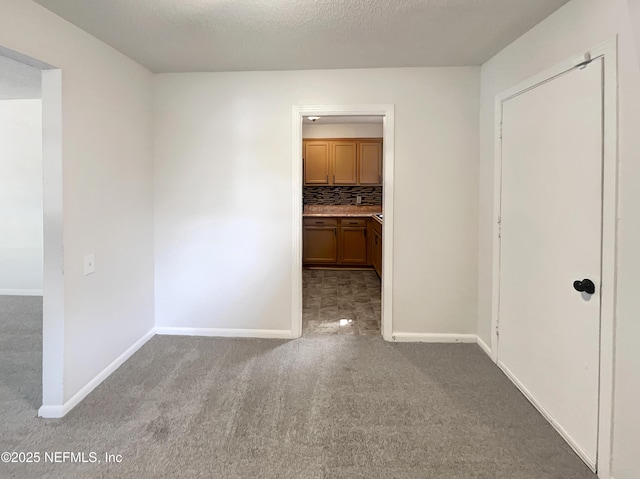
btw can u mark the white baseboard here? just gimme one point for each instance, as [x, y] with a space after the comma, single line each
[226, 333]
[20, 292]
[60, 411]
[484, 346]
[433, 338]
[51, 412]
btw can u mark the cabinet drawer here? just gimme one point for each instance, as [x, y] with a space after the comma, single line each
[320, 222]
[353, 222]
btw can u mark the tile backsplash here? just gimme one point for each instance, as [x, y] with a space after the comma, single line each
[341, 195]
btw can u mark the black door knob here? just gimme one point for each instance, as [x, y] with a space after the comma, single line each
[584, 286]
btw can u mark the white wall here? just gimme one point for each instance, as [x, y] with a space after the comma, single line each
[107, 105]
[223, 212]
[343, 130]
[21, 197]
[572, 30]
[634, 8]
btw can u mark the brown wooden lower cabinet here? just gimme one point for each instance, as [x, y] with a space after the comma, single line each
[353, 242]
[376, 247]
[377, 253]
[320, 241]
[336, 241]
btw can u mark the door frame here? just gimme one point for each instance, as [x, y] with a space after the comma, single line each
[387, 112]
[608, 52]
[53, 223]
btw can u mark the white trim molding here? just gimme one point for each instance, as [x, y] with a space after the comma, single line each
[20, 292]
[608, 51]
[226, 333]
[434, 338]
[484, 346]
[53, 240]
[388, 114]
[51, 412]
[58, 411]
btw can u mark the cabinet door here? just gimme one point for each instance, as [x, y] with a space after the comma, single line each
[316, 162]
[370, 163]
[353, 242]
[320, 244]
[377, 253]
[345, 163]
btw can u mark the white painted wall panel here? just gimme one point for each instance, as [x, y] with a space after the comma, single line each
[573, 29]
[634, 8]
[21, 197]
[223, 193]
[343, 130]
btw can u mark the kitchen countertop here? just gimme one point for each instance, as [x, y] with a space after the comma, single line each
[350, 211]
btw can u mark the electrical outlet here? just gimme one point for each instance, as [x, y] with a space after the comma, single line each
[89, 264]
[358, 200]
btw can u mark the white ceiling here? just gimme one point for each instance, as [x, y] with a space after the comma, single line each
[233, 35]
[342, 120]
[18, 81]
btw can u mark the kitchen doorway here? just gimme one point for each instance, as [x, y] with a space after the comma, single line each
[343, 170]
[342, 225]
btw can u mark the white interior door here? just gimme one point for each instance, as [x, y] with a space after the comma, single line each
[551, 227]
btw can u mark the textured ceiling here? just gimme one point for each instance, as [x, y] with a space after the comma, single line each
[18, 81]
[232, 35]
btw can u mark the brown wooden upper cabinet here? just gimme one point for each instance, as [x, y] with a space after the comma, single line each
[343, 162]
[316, 162]
[370, 163]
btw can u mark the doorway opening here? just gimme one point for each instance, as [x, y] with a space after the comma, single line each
[21, 225]
[31, 232]
[343, 182]
[342, 225]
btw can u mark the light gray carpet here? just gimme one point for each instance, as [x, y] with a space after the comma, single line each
[21, 351]
[319, 407]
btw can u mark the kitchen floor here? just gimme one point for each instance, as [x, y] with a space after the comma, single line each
[340, 302]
